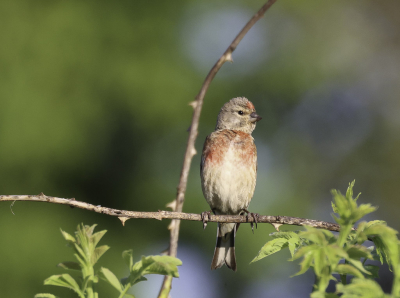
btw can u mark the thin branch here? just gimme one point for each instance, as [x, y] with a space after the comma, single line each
[124, 215]
[190, 149]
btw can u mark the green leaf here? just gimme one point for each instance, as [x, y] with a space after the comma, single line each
[347, 209]
[358, 265]
[374, 222]
[86, 282]
[81, 261]
[365, 288]
[110, 277]
[323, 295]
[81, 252]
[359, 251]
[286, 235]
[126, 280]
[320, 261]
[68, 237]
[45, 295]
[69, 266]
[270, 248]
[349, 192]
[98, 252]
[333, 254]
[164, 265]
[318, 236]
[127, 256]
[334, 208]
[386, 243]
[307, 260]
[374, 270]
[64, 280]
[293, 245]
[95, 238]
[88, 230]
[348, 269]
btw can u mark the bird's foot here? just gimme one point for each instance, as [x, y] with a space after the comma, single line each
[205, 216]
[255, 217]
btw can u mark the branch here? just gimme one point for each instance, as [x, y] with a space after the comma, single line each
[124, 215]
[190, 149]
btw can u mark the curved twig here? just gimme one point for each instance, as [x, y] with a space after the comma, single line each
[190, 149]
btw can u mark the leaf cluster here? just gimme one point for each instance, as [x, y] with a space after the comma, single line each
[87, 254]
[330, 255]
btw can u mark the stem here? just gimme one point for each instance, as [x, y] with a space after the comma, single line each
[127, 287]
[344, 233]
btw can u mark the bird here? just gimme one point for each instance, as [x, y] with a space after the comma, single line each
[228, 173]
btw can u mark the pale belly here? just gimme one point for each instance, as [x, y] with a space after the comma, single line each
[229, 186]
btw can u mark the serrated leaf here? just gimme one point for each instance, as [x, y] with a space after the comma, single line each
[63, 280]
[304, 250]
[349, 192]
[68, 237]
[374, 222]
[81, 261]
[348, 269]
[286, 235]
[293, 245]
[88, 230]
[386, 242]
[363, 210]
[126, 280]
[95, 238]
[69, 266]
[359, 251]
[80, 252]
[305, 263]
[317, 236]
[365, 288]
[45, 295]
[82, 235]
[128, 258]
[334, 253]
[323, 295]
[358, 265]
[98, 252]
[164, 265]
[270, 248]
[319, 261]
[110, 277]
[334, 208]
[373, 269]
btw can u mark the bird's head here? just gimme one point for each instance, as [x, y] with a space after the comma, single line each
[238, 114]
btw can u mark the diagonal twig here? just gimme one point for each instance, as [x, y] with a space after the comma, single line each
[190, 149]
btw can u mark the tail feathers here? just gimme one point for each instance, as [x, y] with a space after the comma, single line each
[225, 248]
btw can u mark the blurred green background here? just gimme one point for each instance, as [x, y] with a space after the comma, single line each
[94, 105]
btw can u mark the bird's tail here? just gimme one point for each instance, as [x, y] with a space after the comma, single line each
[224, 252]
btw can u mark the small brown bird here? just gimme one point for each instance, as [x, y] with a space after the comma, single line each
[228, 172]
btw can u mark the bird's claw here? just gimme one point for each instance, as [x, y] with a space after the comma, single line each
[255, 217]
[205, 216]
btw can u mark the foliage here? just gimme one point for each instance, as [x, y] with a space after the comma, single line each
[84, 244]
[345, 254]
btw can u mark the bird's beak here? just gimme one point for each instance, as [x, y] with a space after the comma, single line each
[254, 117]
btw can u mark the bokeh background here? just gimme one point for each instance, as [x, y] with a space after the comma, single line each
[94, 105]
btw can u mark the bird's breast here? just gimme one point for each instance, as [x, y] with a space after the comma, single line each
[229, 174]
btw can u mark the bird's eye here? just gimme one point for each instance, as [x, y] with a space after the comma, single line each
[240, 113]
